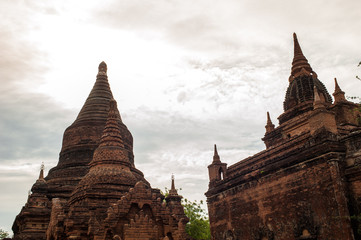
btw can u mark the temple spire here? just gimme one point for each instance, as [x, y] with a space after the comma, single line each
[102, 68]
[300, 65]
[96, 105]
[41, 175]
[216, 157]
[339, 95]
[270, 126]
[297, 48]
[172, 190]
[173, 197]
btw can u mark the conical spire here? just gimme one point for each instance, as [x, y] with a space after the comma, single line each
[297, 48]
[300, 64]
[82, 138]
[40, 184]
[97, 104]
[173, 196]
[173, 191]
[216, 157]
[270, 126]
[41, 175]
[338, 94]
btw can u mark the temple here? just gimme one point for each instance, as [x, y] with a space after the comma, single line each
[306, 184]
[95, 191]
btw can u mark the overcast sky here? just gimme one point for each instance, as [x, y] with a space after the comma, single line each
[186, 75]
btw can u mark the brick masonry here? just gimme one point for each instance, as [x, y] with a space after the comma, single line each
[307, 183]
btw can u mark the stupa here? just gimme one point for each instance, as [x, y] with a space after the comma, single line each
[95, 191]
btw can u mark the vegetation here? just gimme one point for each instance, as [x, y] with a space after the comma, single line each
[4, 234]
[198, 226]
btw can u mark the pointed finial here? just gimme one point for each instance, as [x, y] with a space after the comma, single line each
[300, 64]
[268, 118]
[338, 94]
[172, 187]
[172, 190]
[337, 87]
[297, 48]
[317, 102]
[270, 126]
[216, 157]
[102, 69]
[41, 175]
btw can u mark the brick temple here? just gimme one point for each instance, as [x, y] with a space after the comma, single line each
[307, 183]
[95, 191]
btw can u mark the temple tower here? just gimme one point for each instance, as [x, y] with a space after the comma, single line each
[95, 192]
[82, 137]
[306, 183]
[299, 96]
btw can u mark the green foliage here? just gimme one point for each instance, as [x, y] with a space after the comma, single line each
[4, 234]
[198, 226]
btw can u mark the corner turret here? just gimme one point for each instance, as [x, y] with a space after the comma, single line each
[339, 95]
[40, 186]
[321, 118]
[217, 171]
[270, 126]
[173, 194]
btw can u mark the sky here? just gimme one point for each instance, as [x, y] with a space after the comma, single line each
[186, 75]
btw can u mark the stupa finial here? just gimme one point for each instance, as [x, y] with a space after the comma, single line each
[216, 157]
[300, 64]
[102, 69]
[269, 126]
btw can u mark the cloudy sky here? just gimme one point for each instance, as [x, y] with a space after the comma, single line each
[186, 75]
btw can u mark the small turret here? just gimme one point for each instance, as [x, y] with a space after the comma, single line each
[217, 170]
[41, 175]
[40, 186]
[318, 103]
[321, 118]
[339, 95]
[270, 126]
[173, 194]
[216, 158]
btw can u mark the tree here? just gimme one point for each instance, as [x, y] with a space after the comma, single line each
[198, 226]
[3, 234]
